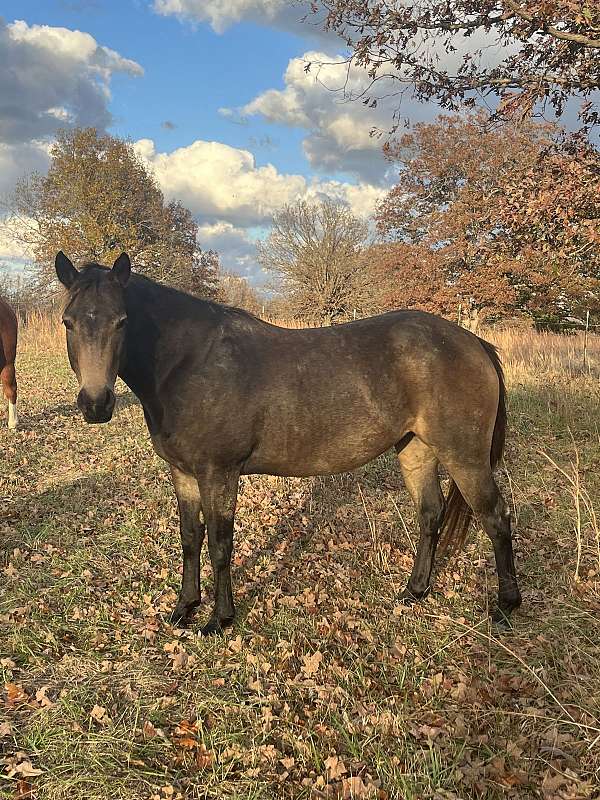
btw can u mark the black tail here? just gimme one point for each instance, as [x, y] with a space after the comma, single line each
[458, 515]
[499, 435]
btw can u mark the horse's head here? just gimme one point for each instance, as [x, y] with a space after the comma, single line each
[95, 319]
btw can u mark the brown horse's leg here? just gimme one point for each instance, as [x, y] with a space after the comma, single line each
[192, 537]
[481, 492]
[420, 472]
[9, 385]
[218, 488]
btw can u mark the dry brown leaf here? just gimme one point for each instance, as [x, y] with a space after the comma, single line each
[204, 757]
[551, 783]
[99, 715]
[15, 694]
[41, 698]
[335, 768]
[355, 788]
[23, 790]
[187, 743]
[311, 663]
[24, 768]
[149, 730]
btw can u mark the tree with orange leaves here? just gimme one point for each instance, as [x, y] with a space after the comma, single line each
[498, 221]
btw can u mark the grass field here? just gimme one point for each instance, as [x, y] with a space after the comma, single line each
[325, 687]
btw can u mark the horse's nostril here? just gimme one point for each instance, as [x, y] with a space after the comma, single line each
[93, 408]
[110, 399]
[82, 400]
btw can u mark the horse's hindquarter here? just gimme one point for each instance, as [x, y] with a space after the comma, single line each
[8, 334]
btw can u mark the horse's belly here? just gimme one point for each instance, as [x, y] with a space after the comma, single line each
[301, 458]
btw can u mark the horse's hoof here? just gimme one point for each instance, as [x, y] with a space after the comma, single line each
[182, 615]
[501, 619]
[408, 598]
[506, 605]
[215, 626]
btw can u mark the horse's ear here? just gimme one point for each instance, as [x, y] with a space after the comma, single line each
[122, 269]
[65, 271]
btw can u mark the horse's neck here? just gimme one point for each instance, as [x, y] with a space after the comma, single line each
[153, 313]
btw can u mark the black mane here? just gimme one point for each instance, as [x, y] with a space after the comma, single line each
[91, 274]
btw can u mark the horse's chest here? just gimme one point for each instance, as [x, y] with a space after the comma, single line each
[169, 449]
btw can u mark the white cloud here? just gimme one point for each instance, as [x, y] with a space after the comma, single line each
[220, 14]
[17, 160]
[52, 76]
[14, 234]
[236, 248]
[219, 183]
[73, 46]
[232, 196]
[216, 181]
[360, 198]
[326, 102]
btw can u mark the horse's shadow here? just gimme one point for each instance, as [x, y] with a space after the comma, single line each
[33, 521]
[310, 526]
[31, 524]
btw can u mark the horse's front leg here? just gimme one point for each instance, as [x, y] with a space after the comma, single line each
[192, 537]
[218, 490]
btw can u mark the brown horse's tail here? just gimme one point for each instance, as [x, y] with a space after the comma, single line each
[458, 514]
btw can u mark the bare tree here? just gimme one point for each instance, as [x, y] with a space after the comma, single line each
[234, 290]
[316, 254]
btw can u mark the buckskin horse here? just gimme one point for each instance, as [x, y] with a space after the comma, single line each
[8, 354]
[225, 393]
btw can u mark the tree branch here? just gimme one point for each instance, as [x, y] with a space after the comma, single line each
[578, 38]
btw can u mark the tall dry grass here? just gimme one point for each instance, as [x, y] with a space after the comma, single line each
[41, 332]
[528, 351]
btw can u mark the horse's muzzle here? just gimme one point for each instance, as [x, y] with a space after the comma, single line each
[96, 409]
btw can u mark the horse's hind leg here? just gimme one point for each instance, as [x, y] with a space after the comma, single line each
[481, 492]
[9, 385]
[420, 472]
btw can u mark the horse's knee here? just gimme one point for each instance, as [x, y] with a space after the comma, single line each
[9, 382]
[220, 552]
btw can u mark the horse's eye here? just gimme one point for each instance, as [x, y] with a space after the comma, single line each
[68, 324]
[121, 322]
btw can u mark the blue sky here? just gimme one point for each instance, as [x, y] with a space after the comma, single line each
[189, 72]
[213, 94]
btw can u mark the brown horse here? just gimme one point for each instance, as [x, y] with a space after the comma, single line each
[8, 354]
[226, 394]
